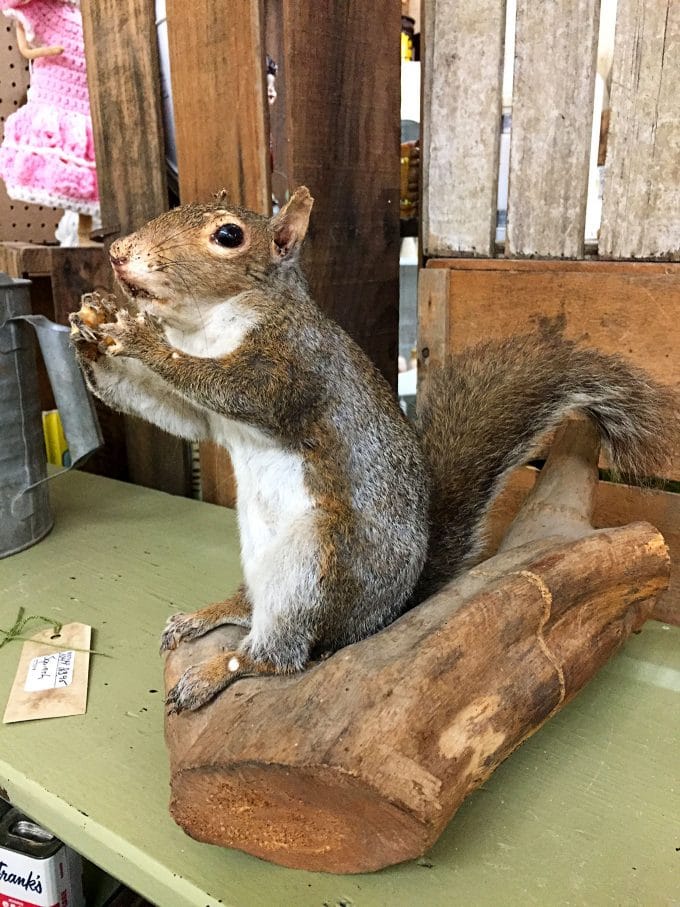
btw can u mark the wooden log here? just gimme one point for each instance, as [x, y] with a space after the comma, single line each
[615, 505]
[360, 762]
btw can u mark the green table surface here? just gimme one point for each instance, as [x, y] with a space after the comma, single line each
[586, 812]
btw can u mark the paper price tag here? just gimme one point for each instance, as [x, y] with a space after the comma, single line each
[51, 682]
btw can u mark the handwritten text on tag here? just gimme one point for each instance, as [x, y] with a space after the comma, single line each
[50, 672]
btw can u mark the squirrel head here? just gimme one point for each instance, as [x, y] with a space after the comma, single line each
[209, 253]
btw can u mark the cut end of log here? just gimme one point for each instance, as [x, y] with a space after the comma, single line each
[317, 818]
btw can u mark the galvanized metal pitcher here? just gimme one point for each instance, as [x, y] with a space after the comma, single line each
[25, 515]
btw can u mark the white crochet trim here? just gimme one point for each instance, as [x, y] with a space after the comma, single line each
[14, 13]
[41, 151]
[50, 200]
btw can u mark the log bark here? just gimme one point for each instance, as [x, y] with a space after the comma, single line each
[361, 761]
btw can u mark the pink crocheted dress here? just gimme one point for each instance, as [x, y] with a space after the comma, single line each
[47, 154]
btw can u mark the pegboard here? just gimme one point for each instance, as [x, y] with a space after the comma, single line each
[19, 222]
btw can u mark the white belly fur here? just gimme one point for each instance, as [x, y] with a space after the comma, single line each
[276, 516]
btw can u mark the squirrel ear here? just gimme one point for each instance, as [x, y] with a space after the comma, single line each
[290, 224]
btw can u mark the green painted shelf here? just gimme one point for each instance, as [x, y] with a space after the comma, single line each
[587, 812]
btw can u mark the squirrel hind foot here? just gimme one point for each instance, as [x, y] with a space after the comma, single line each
[202, 682]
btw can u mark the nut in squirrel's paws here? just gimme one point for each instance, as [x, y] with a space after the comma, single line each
[132, 335]
[179, 627]
[95, 310]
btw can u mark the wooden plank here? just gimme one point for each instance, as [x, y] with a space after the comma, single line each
[242, 164]
[123, 78]
[217, 151]
[461, 124]
[74, 272]
[19, 259]
[340, 84]
[433, 323]
[615, 505]
[552, 111]
[622, 268]
[136, 556]
[641, 205]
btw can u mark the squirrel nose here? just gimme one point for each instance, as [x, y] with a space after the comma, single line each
[117, 255]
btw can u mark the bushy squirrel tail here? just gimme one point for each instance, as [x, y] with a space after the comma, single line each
[486, 410]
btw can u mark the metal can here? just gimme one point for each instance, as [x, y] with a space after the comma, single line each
[36, 868]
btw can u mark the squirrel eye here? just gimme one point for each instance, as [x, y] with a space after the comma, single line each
[228, 235]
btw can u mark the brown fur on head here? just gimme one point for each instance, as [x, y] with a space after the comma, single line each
[208, 252]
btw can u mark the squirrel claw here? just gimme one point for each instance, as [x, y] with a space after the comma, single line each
[179, 627]
[176, 629]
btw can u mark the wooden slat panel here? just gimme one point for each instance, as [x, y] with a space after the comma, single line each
[641, 206]
[552, 110]
[615, 505]
[339, 74]
[123, 77]
[217, 151]
[461, 124]
[628, 308]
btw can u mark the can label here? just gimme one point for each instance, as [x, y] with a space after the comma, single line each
[28, 882]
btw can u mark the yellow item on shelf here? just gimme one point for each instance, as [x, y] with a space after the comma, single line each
[55, 440]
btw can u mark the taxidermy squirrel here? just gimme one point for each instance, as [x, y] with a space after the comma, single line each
[348, 515]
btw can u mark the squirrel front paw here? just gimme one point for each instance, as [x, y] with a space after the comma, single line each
[135, 336]
[95, 310]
